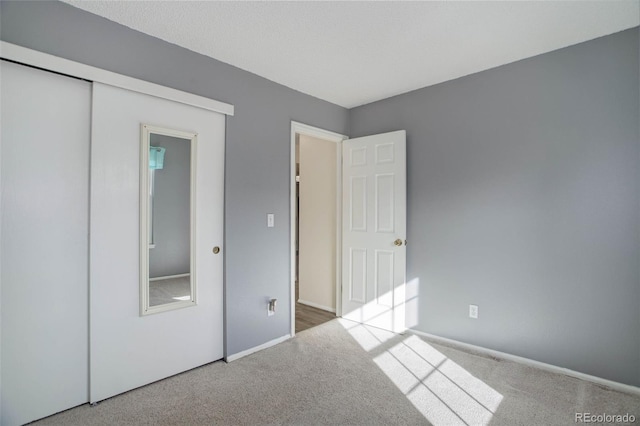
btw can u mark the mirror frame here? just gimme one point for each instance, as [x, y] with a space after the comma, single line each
[145, 139]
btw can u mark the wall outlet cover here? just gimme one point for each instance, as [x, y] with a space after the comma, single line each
[473, 311]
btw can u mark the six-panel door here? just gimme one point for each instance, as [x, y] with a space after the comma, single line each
[374, 230]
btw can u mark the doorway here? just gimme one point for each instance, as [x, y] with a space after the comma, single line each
[370, 226]
[316, 224]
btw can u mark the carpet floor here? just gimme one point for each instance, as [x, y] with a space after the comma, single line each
[169, 290]
[343, 373]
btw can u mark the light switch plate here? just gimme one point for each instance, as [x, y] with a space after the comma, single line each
[270, 220]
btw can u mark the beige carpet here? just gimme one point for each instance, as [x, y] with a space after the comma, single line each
[169, 290]
[341, 373]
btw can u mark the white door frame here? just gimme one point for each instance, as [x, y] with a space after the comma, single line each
[316, 132]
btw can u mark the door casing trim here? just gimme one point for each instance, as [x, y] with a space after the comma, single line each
[316, 132]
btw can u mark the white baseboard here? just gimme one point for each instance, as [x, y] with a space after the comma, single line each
[315, 305]
[168, 277]
[270, 343]
[541, 365]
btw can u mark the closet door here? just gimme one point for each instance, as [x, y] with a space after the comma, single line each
[44, 242]
[131, 347]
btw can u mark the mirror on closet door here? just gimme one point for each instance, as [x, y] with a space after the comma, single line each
[167, 216]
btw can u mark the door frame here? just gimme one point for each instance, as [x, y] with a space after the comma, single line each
[316, 132]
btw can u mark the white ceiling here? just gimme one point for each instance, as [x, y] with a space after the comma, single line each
[351, 53]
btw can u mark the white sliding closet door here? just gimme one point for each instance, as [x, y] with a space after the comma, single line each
[44, 252]
[129, 350]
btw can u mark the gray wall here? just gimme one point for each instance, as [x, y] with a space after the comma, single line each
[257, 145]
[523, 198]
[171, 209]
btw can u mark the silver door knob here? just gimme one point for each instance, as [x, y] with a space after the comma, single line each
[398, 242]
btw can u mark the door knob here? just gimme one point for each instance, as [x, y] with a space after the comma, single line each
[216, 250]
[398, 242]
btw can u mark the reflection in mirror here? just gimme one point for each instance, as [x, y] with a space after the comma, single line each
[166, 219]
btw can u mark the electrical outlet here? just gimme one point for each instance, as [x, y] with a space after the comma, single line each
[271, 307]
[473, 311]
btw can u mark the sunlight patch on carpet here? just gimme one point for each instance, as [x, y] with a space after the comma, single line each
[443, 391]
[368, 337]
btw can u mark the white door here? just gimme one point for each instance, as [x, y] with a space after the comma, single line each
[374, 230]
[45, 249]
[129, 350]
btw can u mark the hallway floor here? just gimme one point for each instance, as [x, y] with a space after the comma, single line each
[307, 316]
